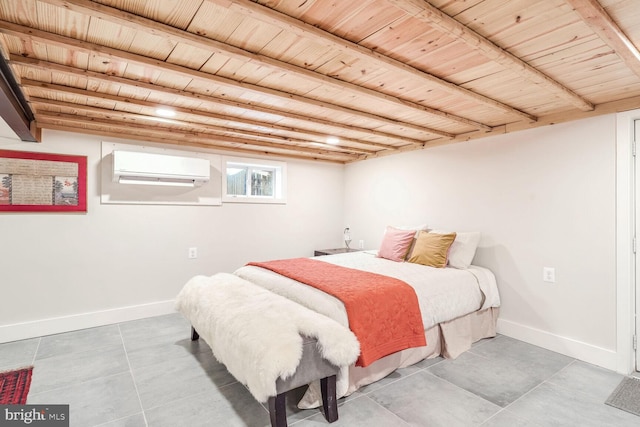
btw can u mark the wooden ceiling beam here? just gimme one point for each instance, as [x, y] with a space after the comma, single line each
[140, 122]
[602, 24]
[222, 132]
[179, 134]
[610, 107]
[421, 9]
[192, 116]
[302, 29]
[174, 35]
[187, 141]
[191, 96]
[22, 31]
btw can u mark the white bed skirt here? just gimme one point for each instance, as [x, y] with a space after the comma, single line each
[447, 339]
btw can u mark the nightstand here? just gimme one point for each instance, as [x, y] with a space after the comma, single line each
[321, 252]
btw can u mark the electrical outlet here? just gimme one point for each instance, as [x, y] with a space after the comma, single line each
[549, 274]
[360, 244]
[193, 253]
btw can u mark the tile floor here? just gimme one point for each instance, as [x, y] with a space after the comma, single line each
[148, 373]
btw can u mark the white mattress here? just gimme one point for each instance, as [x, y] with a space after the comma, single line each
[443, 293]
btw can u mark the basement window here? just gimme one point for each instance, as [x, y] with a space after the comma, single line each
[254, 181]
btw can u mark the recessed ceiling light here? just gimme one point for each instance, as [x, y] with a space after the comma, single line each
[333, 140]
[165, 112]
[158, 119]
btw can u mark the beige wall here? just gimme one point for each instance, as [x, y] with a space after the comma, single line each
[67, 271]
[542, 198]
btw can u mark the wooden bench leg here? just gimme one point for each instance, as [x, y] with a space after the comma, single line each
[329, 401]
[194, 334]
[278, 410]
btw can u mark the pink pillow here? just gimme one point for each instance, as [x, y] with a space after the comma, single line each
[396, 243]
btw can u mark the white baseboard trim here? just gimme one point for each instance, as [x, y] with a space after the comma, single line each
[569, 347]
[56, 325]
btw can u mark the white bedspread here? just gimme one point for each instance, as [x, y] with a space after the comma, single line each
[443, 293]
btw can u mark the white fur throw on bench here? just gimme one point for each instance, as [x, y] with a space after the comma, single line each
[256, 333]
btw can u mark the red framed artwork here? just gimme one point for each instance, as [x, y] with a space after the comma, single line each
[42, 182]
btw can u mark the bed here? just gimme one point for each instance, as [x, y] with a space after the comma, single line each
[458, 306]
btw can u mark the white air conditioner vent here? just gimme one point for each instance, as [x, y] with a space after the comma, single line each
[133, 167]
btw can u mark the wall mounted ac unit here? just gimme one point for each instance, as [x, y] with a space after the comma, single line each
[132, 167]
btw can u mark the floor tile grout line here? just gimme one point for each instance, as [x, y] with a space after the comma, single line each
[562, 369]
[188, 397]
[493, 416]
[527, 393]
[76, 381]
[463, 389]
[361, 396]
[539, 385]
[575, 361]
[381, 386]
[511, 412]
[83, 350]
[304, 418]
[426, 370]
[35, 353]
[119, 419]
[501, 408]
[79, 383]
[471, 351]
[389, 410]
[133, 378]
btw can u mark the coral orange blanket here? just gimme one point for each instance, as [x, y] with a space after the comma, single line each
[383, 312]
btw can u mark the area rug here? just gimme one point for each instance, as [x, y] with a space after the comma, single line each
[14, 386]
[626, 396]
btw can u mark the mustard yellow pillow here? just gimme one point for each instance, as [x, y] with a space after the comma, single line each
[432, 249]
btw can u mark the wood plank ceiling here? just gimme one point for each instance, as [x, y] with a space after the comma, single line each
[327, 80]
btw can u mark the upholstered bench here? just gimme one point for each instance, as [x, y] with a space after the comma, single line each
[267, 342]
[312, 367]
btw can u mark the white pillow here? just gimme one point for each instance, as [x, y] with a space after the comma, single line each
[416, 228]
[463, 248]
